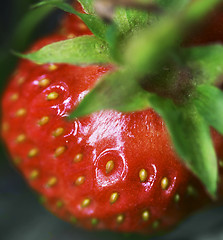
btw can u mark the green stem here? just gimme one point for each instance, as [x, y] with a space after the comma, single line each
[146, 50]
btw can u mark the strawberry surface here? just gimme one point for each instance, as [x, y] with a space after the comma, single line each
[72, 25]
[109, 170]
[109, 166]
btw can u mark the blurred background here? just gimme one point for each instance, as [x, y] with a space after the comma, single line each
[21, 215]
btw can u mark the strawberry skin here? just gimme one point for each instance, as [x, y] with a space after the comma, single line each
[106, 171]
[72, 25]
[109, 166]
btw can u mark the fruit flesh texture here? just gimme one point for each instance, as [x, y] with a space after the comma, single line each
[133, 141]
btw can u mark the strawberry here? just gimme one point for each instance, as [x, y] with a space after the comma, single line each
[72, 25]
[108, 170]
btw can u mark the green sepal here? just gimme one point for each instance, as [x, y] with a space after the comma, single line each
[209, 102]
[88, 6]
[191, 137]
[129, 20]
[146, 51]
[115, 91]
[112, 38]
[94, 23]
[79, 51]
[205, 61]
[126, 19]
[173, 5]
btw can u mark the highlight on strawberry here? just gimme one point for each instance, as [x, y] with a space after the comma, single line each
[115, 120]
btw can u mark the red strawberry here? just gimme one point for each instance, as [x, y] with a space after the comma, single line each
[72, 25]
[109, 166]
[107, 171]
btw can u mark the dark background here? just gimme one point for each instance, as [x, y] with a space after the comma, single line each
[21, 215]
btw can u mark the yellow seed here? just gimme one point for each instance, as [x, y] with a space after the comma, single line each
[42, 199]
[191, 191]
[120, 218]
[59, 204]
[59, 151]
[21, 80]
[33, 152]
[145, 215]
[52, 96]
[73, 220]
[94, 221]
[82, 26]
[52, 67]
[5, 127]
[86, 202]
[143, 175]
[44, 82]
[80, 180]
[70, 36]
[51, 182]
[34, 174]
[58, 132]
[155, 224]
[21, 138]
[21, 112]
[220, 163]
[17, 160]
[14, 97]
[109, 166]
[114, 197]
[44, 120]
[164, 183]
[78, 157]
[176, 198]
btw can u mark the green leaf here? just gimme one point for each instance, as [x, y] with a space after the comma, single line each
[147, 49]
[206, 61]
[209, 102]
[80, 51]
[173, 5]
[87, 6]
[191, 137]
[129, 20]
[115, 91]
[196, 10]
[138, 18]
[121, 20]
[112, 38]
[94, 23]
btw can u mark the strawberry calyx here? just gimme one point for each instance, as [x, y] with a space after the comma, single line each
[138, 44]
